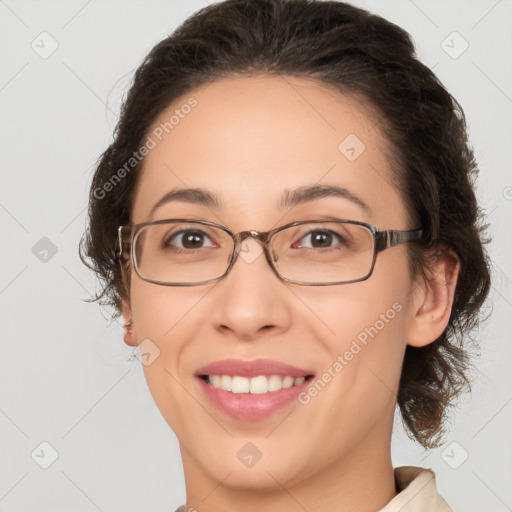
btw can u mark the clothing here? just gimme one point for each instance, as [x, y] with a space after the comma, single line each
[417, 492]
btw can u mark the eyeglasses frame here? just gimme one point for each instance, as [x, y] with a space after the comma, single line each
[382, 240]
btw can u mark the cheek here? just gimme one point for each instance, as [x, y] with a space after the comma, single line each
[161, 317]
[163, 313]
[357, 311]
[364, 350]
[361, 326]
[165, 325]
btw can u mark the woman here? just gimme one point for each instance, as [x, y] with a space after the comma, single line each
[286, 222]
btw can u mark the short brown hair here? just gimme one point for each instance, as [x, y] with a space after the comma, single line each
[358, 53]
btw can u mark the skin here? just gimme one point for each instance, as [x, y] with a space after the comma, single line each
[248, 140]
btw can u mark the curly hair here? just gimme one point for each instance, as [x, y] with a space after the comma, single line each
[357, 53]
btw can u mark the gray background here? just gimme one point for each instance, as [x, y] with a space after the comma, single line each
[67, 378]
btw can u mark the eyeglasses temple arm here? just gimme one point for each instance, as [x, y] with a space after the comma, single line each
[392, 237]
[119, 249]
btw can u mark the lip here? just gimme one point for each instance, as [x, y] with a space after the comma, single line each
[252, 368]
[247, 406]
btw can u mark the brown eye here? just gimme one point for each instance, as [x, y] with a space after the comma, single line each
[319, 239]
[188, 239]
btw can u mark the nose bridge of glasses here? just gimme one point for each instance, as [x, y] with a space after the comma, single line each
[263, 237]
[243, 235]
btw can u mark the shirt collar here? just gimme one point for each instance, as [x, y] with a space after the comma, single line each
[417, 492]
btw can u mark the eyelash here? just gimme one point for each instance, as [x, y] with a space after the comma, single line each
[166, 243]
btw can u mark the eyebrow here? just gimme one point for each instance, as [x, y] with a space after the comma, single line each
[290, 199]
[305, 194]
[187, 195]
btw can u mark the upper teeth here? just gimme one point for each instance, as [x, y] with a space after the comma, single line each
[256, 385]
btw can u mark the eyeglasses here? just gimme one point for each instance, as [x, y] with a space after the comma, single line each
[184, 252]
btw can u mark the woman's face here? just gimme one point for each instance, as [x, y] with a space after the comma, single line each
[249, 142]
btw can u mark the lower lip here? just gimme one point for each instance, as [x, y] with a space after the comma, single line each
[251, 407]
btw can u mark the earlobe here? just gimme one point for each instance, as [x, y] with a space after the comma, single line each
[129, 335]
[433, 300]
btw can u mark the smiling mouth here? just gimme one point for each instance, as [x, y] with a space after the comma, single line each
[257, 385]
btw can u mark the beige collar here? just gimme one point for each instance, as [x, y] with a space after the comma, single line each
[417, 492]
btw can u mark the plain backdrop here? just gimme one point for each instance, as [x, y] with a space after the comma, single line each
[79, 429]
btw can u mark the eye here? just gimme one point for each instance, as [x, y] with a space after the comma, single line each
[187, 239]
[319, 239]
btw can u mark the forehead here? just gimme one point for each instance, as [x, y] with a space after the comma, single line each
[249, 140]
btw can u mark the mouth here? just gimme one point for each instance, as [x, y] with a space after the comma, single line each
[252, 390]
[258, 385]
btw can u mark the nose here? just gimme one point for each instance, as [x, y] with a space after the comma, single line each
[251, 301]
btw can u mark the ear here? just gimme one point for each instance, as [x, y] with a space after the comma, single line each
[129, 332]
[433, 300]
